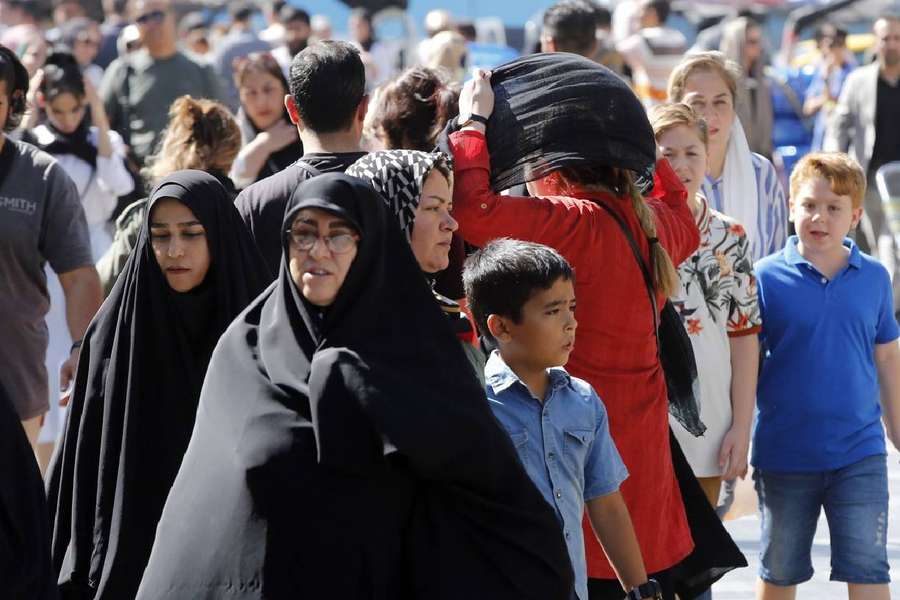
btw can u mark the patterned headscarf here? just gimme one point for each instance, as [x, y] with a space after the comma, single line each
[399, 176]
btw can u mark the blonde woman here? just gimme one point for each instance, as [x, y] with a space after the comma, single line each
[739, 182]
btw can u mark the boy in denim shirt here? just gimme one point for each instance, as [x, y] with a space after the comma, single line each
[831, 339]
[522, 296]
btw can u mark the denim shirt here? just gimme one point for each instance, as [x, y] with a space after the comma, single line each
[564, 444]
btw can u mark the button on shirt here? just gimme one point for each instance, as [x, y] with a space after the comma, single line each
[818, 391]
[564, 444]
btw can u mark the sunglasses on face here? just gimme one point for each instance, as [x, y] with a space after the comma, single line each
[154, 16]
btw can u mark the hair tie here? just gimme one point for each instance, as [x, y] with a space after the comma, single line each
[653, 240]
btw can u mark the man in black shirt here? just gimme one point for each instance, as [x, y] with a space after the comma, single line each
[327, 103]
[866, 123]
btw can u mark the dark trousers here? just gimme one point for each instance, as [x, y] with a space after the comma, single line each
[611, 589]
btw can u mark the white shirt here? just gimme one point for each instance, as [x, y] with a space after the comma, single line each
[98, 188]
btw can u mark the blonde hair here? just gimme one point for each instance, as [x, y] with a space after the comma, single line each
[844, 174]
[201, 134]
[665, 117]
[709, 62]
[621, 182]
[446, 50]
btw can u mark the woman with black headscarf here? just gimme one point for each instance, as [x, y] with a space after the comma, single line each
[24, 531]
[337, 452]
[417, 186]
[143, 360]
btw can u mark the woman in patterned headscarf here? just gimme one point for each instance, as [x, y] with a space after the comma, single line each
[418, 188]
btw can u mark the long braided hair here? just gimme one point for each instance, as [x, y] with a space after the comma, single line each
[620, 182]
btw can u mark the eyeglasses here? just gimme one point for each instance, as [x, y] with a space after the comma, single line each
[154, 16]
[338, 243]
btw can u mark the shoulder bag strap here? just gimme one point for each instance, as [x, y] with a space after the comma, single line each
[310, 170]
[645, 271]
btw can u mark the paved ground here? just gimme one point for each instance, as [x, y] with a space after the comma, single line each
[739, 585]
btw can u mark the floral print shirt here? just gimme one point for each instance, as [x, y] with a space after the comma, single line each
[717, 300]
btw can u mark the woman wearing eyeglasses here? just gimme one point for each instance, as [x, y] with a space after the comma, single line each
[270, 140]
[342, 452]
[142, 364]
[82, 37]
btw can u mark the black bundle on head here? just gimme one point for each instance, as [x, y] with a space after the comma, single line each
[62, 75]
[15, 78]
[558, 110]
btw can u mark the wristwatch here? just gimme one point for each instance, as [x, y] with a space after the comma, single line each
[649, 590]
[473, 118]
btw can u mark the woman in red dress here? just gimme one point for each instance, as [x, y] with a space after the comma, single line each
[616, 347]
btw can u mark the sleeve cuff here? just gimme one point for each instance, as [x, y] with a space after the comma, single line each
[743, 332]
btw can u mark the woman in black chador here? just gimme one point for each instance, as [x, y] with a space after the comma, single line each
[340, 451]
[144, 357]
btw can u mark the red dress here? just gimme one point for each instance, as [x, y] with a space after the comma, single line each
[615, 348]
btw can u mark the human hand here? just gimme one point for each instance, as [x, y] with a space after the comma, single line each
[90, 94]
[67, 377]
[477, 96]
[34, 85]
[281, 134]
[733, 454]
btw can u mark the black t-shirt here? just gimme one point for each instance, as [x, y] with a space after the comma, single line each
[262, 204]
[887, 125]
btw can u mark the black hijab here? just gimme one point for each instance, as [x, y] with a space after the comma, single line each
[138, 382]
[24, 530]
[289, 488]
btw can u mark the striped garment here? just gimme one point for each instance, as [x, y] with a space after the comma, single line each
[772, 224]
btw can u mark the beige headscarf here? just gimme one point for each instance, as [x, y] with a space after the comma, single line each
[754, 95]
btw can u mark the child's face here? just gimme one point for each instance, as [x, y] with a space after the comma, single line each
[822, 218]
[66, 112]
[686, 152]
[545, 335]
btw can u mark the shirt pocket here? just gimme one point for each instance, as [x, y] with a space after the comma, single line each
[576, 444]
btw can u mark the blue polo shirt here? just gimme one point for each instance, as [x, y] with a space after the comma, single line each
[818, 393]
[564, 444]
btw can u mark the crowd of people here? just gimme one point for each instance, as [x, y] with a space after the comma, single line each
[285, 320]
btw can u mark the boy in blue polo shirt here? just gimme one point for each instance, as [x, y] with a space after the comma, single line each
[831, 337]
[522, 296]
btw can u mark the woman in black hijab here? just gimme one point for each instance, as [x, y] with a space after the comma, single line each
[337, 452]
[24, 531]
[192, 271]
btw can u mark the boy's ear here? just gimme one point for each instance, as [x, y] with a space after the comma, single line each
[499, 328]
[857, 217]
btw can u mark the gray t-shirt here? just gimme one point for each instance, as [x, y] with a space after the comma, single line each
[137, 91]
[41, 220]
